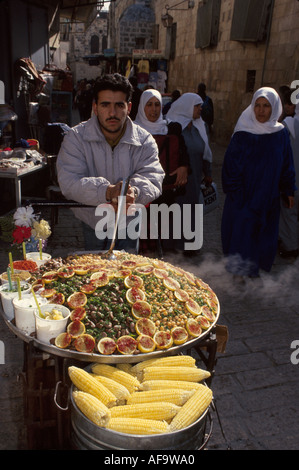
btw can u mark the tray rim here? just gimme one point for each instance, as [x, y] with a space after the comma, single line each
[108, 359]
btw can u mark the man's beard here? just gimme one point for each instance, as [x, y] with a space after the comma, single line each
[111, 131]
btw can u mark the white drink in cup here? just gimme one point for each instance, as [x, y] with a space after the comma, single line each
[8, 295]
[25, 309]
[35, 256]
[18, 273]
[47, 329]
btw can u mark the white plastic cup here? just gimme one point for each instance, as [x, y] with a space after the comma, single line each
[35, 256]
[49, 329]
[24, 309]
[7, 296]
[23, 276]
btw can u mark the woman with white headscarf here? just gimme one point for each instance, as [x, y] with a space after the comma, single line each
[172, 150]
[288, 227]
[187, 111]
[258, 166]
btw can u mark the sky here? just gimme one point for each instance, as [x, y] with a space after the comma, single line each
[106, 5]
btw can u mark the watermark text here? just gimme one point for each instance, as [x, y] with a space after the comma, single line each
[159, 220]
[295, 353]
[2, 353]
[295, 93]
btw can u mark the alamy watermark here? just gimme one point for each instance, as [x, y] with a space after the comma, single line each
[159, 220]
[295, 93]
[295, 353]
[2, 353]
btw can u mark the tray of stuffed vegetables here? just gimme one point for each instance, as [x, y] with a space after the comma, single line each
[128, 309]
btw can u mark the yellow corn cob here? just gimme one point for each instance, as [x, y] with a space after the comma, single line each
[86, 383]
[120, 391]
[158, 411]
[92, 408]
[130, 382]
[174, 384]
[138, 426]
[185, 361]
[192, 409]
[176, 396]
[125, 367]
[191, 374]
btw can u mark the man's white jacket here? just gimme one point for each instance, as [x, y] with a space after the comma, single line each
[87, 165]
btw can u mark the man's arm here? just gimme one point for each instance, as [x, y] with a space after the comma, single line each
[72, 173]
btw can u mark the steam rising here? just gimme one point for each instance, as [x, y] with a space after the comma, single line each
[280, 286]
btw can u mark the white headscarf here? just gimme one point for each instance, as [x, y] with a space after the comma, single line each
[290, 121]
[158, 127]
[182, 111]
[247, 121]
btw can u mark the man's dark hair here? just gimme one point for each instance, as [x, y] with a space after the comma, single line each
[201, 90]
[175, 95]
[113, 82]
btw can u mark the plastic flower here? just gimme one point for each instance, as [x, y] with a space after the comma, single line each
[24, 216]
[41, 229]
[25, 226]
[21, 233]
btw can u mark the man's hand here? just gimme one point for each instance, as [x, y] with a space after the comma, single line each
[114, 190]
[112, 193]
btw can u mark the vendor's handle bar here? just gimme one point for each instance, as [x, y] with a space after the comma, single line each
[56, 393]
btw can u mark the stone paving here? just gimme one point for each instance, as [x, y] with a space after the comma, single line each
[256, 385]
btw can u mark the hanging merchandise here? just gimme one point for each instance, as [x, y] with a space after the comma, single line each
[153, 79]
[143, 73]
[30, 80]
[161, 81]
[162, 65]
[143, 66]
[128, 69]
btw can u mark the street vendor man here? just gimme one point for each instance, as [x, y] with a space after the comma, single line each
[96, 155]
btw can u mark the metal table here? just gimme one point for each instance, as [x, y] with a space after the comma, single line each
[18, 177]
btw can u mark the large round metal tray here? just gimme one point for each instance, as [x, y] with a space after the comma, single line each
[109, 359]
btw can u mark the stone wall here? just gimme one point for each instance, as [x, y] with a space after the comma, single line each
[224, 67]
[80, 46]
[131, 20]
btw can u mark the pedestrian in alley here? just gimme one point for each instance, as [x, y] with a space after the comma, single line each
[174, 96]
[288, 108]
[186, 110]
[207, 109]
[172, 152]
[135, 97]
[98, 154]
[288, 228]
[258, 166]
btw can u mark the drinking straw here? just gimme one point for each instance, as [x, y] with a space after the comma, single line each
[37, 304]
[9, 279]
[19, 288]
[11, 262]
[24, 250]
[40, 249]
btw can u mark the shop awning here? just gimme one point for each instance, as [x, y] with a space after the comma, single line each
[80, 11]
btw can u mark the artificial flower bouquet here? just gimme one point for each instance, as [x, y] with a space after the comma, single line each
[24, 226]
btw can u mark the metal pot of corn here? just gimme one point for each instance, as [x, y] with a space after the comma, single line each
[148, 406]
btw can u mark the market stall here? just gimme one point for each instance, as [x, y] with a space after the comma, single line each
[130, 315]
